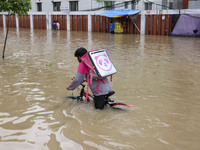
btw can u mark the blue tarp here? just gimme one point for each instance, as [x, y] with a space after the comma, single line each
[119, 13]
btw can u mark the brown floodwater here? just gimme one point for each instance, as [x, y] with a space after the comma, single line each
[158, 76]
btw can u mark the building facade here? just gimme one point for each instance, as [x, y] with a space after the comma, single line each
[100, 5]
[155, 17]
[82, 5]
[194, 4]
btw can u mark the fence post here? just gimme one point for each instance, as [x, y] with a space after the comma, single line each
[47, 21]
[68, 22]
[4, 21]
[31, 21]
[50, 21]
[17, 21]
[142, 24]
[89, 23]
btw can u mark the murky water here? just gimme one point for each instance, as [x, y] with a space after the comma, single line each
[159, 77]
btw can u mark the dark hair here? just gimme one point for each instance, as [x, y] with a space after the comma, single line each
[80, 52]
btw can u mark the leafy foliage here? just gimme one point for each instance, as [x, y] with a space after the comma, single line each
[20, 7]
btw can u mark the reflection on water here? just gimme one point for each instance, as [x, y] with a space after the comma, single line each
[157, 76]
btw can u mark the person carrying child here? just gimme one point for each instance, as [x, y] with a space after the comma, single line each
[99, 87]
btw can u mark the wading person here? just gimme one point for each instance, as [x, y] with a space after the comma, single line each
[112, 26]
[102, 85]
[58, 25]
[54, 25]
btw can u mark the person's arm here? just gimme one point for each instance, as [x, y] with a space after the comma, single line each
[79, 78]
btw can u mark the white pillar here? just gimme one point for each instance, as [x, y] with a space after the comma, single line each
[142, 24]
[31, 21]
[47, 21]
[68, 22]
[4, 21]
[50, 22]
[89, 23]
[17, 21]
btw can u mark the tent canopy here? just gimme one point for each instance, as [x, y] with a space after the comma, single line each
[118, 13]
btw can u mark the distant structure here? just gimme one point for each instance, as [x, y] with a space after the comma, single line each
[92, 5]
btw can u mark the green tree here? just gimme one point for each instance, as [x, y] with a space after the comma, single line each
[13, 7]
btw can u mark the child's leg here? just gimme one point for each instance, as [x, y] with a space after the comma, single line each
[99, 101]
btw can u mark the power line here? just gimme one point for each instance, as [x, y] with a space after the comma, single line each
[118, 5]
[172, 9]
[134, 2]
[159, 4]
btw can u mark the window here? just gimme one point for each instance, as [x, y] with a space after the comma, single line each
[148, 6]
[164, 4]
[126, 5]
[109, 5]
[39, 6]
[133, 4]
[56, 6]
[170, 5]
[73, 6]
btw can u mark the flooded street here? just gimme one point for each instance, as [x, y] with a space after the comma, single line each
[158, 76]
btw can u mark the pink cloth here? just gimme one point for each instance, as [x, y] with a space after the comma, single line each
[82, 68]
